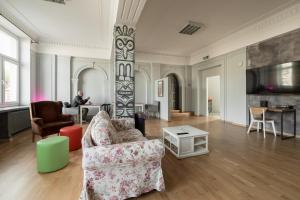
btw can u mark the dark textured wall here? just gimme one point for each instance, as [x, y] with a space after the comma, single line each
[277, 50]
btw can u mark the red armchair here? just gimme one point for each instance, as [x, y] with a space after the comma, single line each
[47, 118]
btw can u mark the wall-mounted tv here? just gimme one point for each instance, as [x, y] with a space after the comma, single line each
[275, 79]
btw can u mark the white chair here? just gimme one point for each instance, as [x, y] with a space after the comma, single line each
[257, 115]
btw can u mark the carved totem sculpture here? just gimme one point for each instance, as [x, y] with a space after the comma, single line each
[124, 70]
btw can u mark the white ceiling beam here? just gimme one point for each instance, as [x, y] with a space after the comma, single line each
[129, 11]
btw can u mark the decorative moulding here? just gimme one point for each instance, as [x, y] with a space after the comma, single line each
[76, 51]
[161, 58]
[129, 11]
[276, 24]
[14, 16]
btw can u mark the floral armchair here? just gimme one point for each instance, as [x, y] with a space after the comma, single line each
[128, 167]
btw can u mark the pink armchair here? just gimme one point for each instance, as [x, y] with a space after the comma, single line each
[123, 170]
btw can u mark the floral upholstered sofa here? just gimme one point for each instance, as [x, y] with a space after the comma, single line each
[118, 162]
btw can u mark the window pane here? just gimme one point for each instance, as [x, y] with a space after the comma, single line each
[8, 45]
[10, 81]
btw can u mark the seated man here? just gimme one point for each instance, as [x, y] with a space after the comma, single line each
[78, 100]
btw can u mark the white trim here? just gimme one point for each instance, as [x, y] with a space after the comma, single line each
[73, 50]
[161, 58]
[75, 76]
[274, 25]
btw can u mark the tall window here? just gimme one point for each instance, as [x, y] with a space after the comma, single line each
[9, 69]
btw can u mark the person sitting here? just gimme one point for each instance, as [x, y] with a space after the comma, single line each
[78, 100]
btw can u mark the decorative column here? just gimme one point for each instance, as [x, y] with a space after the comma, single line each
[124, 70]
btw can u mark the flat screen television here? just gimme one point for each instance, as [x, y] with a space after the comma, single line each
[275, 79]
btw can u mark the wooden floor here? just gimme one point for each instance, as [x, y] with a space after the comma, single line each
[238, 167]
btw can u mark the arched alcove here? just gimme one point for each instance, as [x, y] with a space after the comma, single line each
[93, 80]
[93, 83]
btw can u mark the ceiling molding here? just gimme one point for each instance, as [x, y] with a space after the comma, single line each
[71, 50]
[274, 25]
[161, 58]
[129, 11]
[13, 15]
[75, 45]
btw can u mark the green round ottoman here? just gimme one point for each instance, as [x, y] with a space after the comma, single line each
[52, 153]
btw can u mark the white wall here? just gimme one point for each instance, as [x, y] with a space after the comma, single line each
[233, 85]
[33, 76]
[164, 100]
[213, 91]
[57, 78]
[45, 74]
[25, 72]
[213, 70]
[63, 79]
[140, 88]
[236, 87]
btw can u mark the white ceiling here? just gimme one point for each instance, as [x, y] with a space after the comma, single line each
[161, 20]
[86, 23]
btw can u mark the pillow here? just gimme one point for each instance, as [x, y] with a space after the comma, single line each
[123, 124]
[102, 115]
[100, 133]
[104, 133]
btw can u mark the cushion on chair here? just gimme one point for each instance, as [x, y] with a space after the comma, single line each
[102, 115]
[123, 124]
[131, 135]
[48, 111]
[53, 126]
[100, 133]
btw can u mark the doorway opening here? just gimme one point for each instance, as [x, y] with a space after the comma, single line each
[174, 93]
[213, 96]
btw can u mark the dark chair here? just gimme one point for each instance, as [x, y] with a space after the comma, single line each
[152, 110]
[107, 108]
[139, 119]
[47, 118]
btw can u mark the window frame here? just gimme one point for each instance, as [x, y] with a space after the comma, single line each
[16, 61]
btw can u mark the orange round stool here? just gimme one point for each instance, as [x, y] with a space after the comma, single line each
[75, 134]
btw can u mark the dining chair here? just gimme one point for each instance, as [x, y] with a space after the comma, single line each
[258, 116]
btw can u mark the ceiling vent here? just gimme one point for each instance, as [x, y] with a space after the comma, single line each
[57, 1]
[191, 28]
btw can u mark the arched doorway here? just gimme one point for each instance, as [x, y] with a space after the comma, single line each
[174, 92]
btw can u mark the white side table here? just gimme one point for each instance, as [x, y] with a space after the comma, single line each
[87, 106]
[194, 143]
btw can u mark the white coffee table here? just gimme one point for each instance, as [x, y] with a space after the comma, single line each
[192, 144]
